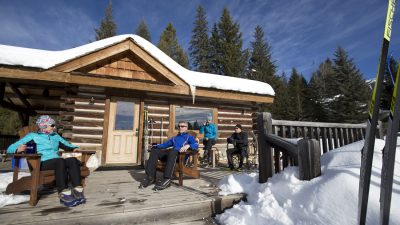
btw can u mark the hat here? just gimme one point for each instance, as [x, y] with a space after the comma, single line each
[44, 121]
[238, 126]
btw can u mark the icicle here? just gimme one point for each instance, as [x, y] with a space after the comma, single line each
[193, 92]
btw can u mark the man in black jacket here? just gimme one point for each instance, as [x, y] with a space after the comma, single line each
[240, 141]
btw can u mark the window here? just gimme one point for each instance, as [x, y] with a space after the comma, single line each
[194, 116]
[124, 116]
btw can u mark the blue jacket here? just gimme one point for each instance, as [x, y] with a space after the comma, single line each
[46, 144]
[179, 141]
[210, 131]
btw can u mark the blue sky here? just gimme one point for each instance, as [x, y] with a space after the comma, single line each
[302, 33]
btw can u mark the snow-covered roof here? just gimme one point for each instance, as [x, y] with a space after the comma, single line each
[11, 55]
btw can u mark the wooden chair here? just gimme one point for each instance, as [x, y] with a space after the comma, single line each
[182, 168]
[37, 177]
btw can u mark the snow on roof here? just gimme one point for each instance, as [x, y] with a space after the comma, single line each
[11, 55]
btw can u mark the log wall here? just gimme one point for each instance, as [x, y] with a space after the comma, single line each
[82, 120]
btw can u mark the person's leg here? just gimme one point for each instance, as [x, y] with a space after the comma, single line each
[205, 155]
[155, 155]
[229, 153]
[208, 146]
[171, 162]
[60, 172]
[74, 172]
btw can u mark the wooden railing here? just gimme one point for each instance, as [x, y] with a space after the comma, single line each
[278, 147]
[330, 135]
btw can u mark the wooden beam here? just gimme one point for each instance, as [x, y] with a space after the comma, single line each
[141, 129]
[20, 95]
[149, 59]
[17, 108]
[105, 131]
[219, 94]
[92, 57]
[115, 82]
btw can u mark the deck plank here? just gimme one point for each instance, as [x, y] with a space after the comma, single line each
[114, 197]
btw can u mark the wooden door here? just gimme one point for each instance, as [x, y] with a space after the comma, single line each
[122, 143]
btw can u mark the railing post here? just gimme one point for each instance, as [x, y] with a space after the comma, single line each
[265, 156]
[309, 159]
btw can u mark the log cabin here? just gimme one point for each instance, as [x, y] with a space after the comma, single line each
[121, 94]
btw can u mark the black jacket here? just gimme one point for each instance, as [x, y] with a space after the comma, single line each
[239, 140]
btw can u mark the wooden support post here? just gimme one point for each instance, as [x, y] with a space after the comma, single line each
[309, 159]
[265, 159]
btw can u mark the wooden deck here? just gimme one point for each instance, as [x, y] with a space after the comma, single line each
[113, 197]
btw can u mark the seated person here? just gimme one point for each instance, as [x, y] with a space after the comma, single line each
[47, 143]
[210, 136]
[239, 139]
[180, 143]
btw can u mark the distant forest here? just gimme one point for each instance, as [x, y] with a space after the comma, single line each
[335, 92]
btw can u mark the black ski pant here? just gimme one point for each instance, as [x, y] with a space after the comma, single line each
[65, 169]
[169, 156]
[242, 152]
[207, 149]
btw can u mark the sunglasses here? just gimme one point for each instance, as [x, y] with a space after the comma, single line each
[236, 128]
[182, 126]
[52, 125]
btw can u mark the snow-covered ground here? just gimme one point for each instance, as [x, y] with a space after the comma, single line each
[330, 199]
[5, 179]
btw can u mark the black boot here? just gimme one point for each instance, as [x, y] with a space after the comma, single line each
[162, 184]
[147, 181]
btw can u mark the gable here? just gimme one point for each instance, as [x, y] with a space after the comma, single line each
[125, 65]
[123, 60]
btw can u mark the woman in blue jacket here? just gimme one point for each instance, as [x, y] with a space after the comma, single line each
[47, 143]
[210, 137]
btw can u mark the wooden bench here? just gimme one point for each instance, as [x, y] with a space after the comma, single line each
[182, 168]
[37, 177]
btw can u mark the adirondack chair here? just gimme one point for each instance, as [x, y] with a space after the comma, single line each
[37, 177]
[181, 168]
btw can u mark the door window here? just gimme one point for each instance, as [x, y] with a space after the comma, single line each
[124, 116]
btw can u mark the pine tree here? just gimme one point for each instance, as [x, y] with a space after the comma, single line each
[169, 45]
[229, 49]
[261, 67]
[143, 31]
[215, 52]
[350, 103]
[319, 93]
[9, 122]
[296, 86]
[107, 27]
[280, 108]
[199, 43]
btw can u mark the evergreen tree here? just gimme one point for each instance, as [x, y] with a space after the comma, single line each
[229, 49]
[199, 43]
[279, 108]
[9, 122]
[169, 45]
[143, 31]
[107, 27]
[261, 67]
[319, 93]
[296, 86]
[214, 52]
[350, 103]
